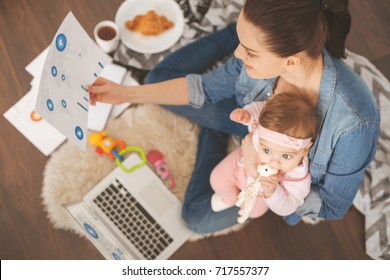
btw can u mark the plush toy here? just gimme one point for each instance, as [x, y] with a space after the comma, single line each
[248, 196]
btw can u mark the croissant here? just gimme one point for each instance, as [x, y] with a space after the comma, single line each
[149, 24]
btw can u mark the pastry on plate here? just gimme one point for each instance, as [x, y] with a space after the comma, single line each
[149, 24]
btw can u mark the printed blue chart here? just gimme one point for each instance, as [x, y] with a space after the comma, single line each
[73, 62]
[97, 232]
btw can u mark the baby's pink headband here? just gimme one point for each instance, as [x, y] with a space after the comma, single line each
[278, 138]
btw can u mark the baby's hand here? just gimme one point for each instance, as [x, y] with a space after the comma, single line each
[241, 116]
[269, 184]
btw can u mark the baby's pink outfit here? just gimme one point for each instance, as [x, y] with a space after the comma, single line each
[229, 177]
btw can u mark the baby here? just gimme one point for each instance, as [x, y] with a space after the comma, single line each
[284, 128]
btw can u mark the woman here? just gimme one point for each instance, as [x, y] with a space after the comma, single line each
[282, 46]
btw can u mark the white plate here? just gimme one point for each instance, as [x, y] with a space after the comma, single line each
[150, 44]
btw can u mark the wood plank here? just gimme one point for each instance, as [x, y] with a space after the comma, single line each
[26, 28]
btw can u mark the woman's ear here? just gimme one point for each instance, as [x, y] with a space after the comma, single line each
[292, 63]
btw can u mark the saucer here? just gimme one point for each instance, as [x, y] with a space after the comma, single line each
[138, 42]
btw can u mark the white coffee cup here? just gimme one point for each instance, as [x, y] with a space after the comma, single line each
[107, 35]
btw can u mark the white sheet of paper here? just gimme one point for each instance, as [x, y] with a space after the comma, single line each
[40, 133]
[119, 108]
[36, 65]
[73, 62]
[98, 114]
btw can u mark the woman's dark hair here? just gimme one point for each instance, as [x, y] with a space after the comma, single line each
[292, 26]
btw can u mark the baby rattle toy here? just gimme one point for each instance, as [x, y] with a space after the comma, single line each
[115, 149]
[156, 159]
[248, 196]
[106, 145]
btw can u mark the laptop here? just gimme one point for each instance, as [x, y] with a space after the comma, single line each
[131, 215]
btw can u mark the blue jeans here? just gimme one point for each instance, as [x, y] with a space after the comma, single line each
[215, 124]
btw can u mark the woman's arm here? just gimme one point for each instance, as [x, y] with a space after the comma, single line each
[333, 195]
[171, 92]
[214, 86]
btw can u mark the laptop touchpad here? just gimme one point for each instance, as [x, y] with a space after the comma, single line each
[155, 198]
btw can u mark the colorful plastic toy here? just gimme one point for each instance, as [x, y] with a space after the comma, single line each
[106, 145]
[156, 158]
[141, 153]
[115, 149]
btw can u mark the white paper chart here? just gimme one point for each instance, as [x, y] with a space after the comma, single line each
[41, 134]
[73, 62]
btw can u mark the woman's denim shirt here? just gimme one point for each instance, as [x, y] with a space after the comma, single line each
[347, 137]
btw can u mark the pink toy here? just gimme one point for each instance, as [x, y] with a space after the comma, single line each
[155, 157]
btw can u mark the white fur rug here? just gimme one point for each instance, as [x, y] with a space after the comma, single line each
[70, 173]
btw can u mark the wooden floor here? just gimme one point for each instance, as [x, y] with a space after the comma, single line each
[26, 28]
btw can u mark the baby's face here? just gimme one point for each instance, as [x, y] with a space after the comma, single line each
[279, 157]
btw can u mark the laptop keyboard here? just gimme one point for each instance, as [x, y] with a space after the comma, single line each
[133, 220]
